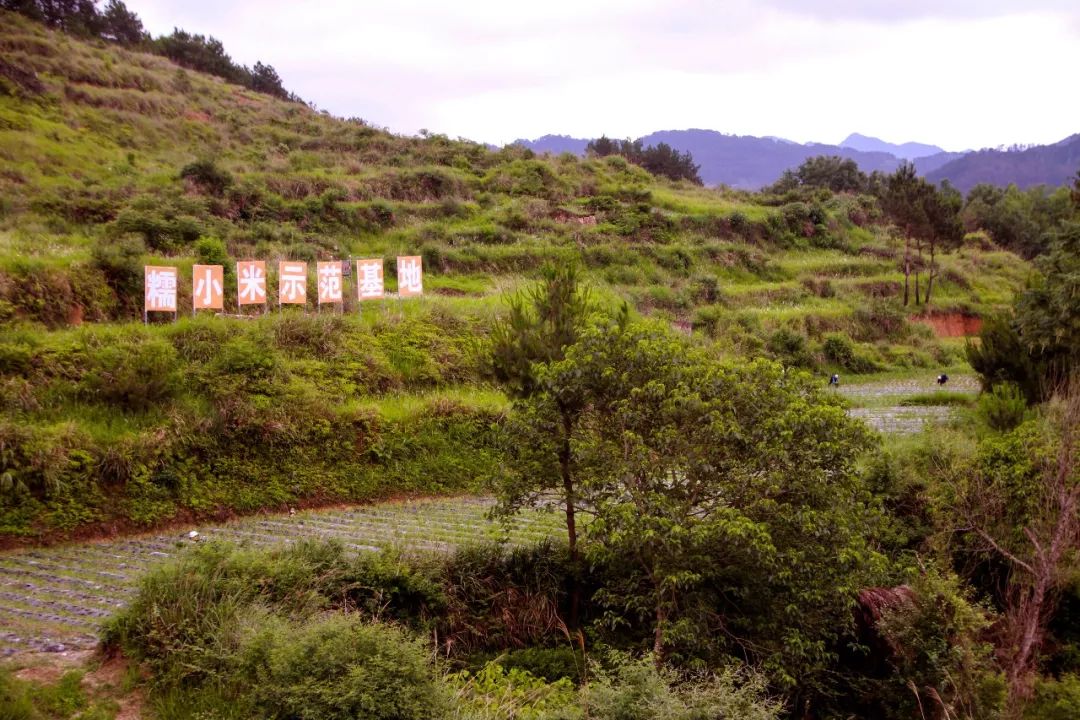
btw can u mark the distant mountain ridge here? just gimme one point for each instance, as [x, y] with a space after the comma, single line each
[1053, 164]
[750, 163]
[904, 151]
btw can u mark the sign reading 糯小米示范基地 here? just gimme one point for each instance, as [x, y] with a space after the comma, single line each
[369, 279]
[208, 283]
[292, 283]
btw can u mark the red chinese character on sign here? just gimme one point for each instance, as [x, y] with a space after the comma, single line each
[369, 279]
[410, 276]
[207, 290]
[292, 283]
[329, 282]
[251, 282]
[159, 288]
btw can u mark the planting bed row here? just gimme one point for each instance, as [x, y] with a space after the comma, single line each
[54, 599]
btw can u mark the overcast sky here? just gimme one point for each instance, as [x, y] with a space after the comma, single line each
[957, 73]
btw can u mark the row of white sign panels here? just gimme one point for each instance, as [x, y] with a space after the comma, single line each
[208, 290]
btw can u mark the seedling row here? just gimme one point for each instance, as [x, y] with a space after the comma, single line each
[55, 599]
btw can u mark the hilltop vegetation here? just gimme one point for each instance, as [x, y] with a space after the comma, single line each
[115, 23]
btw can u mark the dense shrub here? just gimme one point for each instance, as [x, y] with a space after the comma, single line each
[249, 630]
[551, 664]
[939, 653]
[1003, 407]
[121, 262]
[880, 319]
[505, 598]
[208, 177]
[164, 226]
[789, 347]
[332, 667]
[839, 350]
[1055, 699]
[133, 372]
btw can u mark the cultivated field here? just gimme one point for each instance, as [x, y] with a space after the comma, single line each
[54, 599]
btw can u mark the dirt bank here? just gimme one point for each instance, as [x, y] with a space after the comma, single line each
[951, 324]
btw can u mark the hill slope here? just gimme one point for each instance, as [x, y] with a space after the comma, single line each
[111, 159]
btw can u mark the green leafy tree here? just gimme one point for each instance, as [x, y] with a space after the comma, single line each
[122, 25]
[543, 321]
[1017, 220]
[831, 172]
[723, 497]
[1048, 312]
[925, 215]
[264, 79]
[1037, 346]
[603, 146]
[661, 160]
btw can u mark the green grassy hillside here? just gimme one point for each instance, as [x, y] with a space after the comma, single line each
[111, 159]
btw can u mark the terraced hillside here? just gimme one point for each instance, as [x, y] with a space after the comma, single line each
[111, 159]
[56, 598]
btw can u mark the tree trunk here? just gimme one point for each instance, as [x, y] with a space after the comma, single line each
[658, 632]
[933, 272]
[907, 270]
[919, 246]
[1029, 617]
[571, 520]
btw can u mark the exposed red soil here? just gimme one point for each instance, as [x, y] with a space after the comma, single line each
[104, 677]
[952, 324]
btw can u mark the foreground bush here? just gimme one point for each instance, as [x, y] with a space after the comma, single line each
[622, 688]
[333, 666]
[186, 610]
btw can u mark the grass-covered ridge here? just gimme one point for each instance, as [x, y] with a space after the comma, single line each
[124, 425]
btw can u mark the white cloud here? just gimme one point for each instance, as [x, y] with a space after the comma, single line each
[961, 75]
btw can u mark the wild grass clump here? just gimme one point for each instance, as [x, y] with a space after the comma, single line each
[1003, 408]
[327, 665]
[939, 398]
[66, 698]
[187, 610]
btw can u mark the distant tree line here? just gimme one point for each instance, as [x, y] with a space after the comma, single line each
[114, 22]
[661, 160]
[1022, 221]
